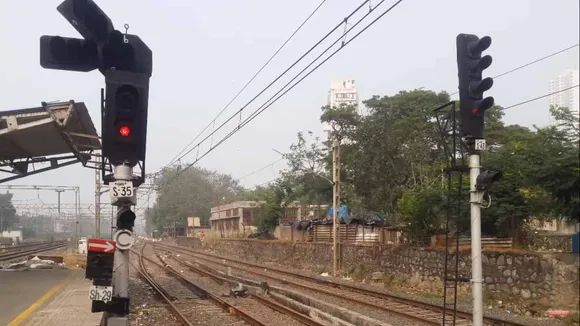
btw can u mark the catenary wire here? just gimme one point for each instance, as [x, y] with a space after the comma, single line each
[276, 79]
[264, 107]
[279, 76]
[538, 98]
[509, 72]
[505, 108]
[173, 160]
[497, 76]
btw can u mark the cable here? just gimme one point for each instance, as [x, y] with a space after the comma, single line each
[252, 79]
[257, 112]
[262, 109]
[538, 98]
[497, 76]
[530, 63]
[260, 169]
[277, 78]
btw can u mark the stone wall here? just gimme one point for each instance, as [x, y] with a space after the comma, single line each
[553, 243]
[528, 282]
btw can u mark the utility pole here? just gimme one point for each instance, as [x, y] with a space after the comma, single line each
[335, 205]
[98, 196]
[59, 191]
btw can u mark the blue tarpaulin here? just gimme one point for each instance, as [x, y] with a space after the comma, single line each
[342, 212]
[576, 243]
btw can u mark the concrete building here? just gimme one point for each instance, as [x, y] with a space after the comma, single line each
[569, 98]
[341, 92]
[235, 218]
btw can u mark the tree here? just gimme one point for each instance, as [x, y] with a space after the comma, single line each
[8, 215]
[342, 120]
[396, 148]
[557, 168]
[423, 213]
[192, 193]
[540, 171]
[308, 174]
[271, 207]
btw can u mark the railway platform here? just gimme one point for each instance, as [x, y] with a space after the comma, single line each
[46, 297]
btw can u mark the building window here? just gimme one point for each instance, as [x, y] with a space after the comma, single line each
[247, 218]
[228, 212]
[236, 212]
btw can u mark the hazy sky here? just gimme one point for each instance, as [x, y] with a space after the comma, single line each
[205, 51]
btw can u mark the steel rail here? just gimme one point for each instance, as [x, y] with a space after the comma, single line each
[216, 299]
[269, 303]
[381, 295]
[143, 272]
[29, 251]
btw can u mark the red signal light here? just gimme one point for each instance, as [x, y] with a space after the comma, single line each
[124, 131]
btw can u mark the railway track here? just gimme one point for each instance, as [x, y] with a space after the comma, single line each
[262, 300]
[19, 252]
[23, 245]
[414, 310]
[207, 306]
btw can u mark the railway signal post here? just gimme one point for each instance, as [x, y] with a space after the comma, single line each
[473, 105]
[127, 64]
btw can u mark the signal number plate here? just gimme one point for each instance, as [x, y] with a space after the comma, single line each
[121, 189]
[480, 145]
[101, 293]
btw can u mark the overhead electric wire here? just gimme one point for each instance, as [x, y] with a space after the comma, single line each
[267, 105]
[277, 78]
[250, 81]
[258, 111]
[530, 63]
[539, 97]
[260, 169]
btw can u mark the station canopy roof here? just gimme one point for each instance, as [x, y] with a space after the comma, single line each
[59, 134]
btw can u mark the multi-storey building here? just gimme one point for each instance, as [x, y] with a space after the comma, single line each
[568, 98]
[341, 92]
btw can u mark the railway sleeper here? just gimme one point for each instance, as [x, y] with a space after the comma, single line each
[319, 308]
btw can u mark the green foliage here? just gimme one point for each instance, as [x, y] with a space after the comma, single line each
[7, 211]
[343, 120]
[272, 204]
[308, 174]
[423, 213]
[192, 194]
[396, 148]
[396, 161]
[392, 164]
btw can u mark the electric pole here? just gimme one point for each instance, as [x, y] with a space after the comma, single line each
[59, 191]
[127, 64]
[335, 206]
[473, 105]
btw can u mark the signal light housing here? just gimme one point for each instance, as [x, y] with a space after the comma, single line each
[87, 18]
[66, 53]
[471, 64]
[125, 121]
[125, 219]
